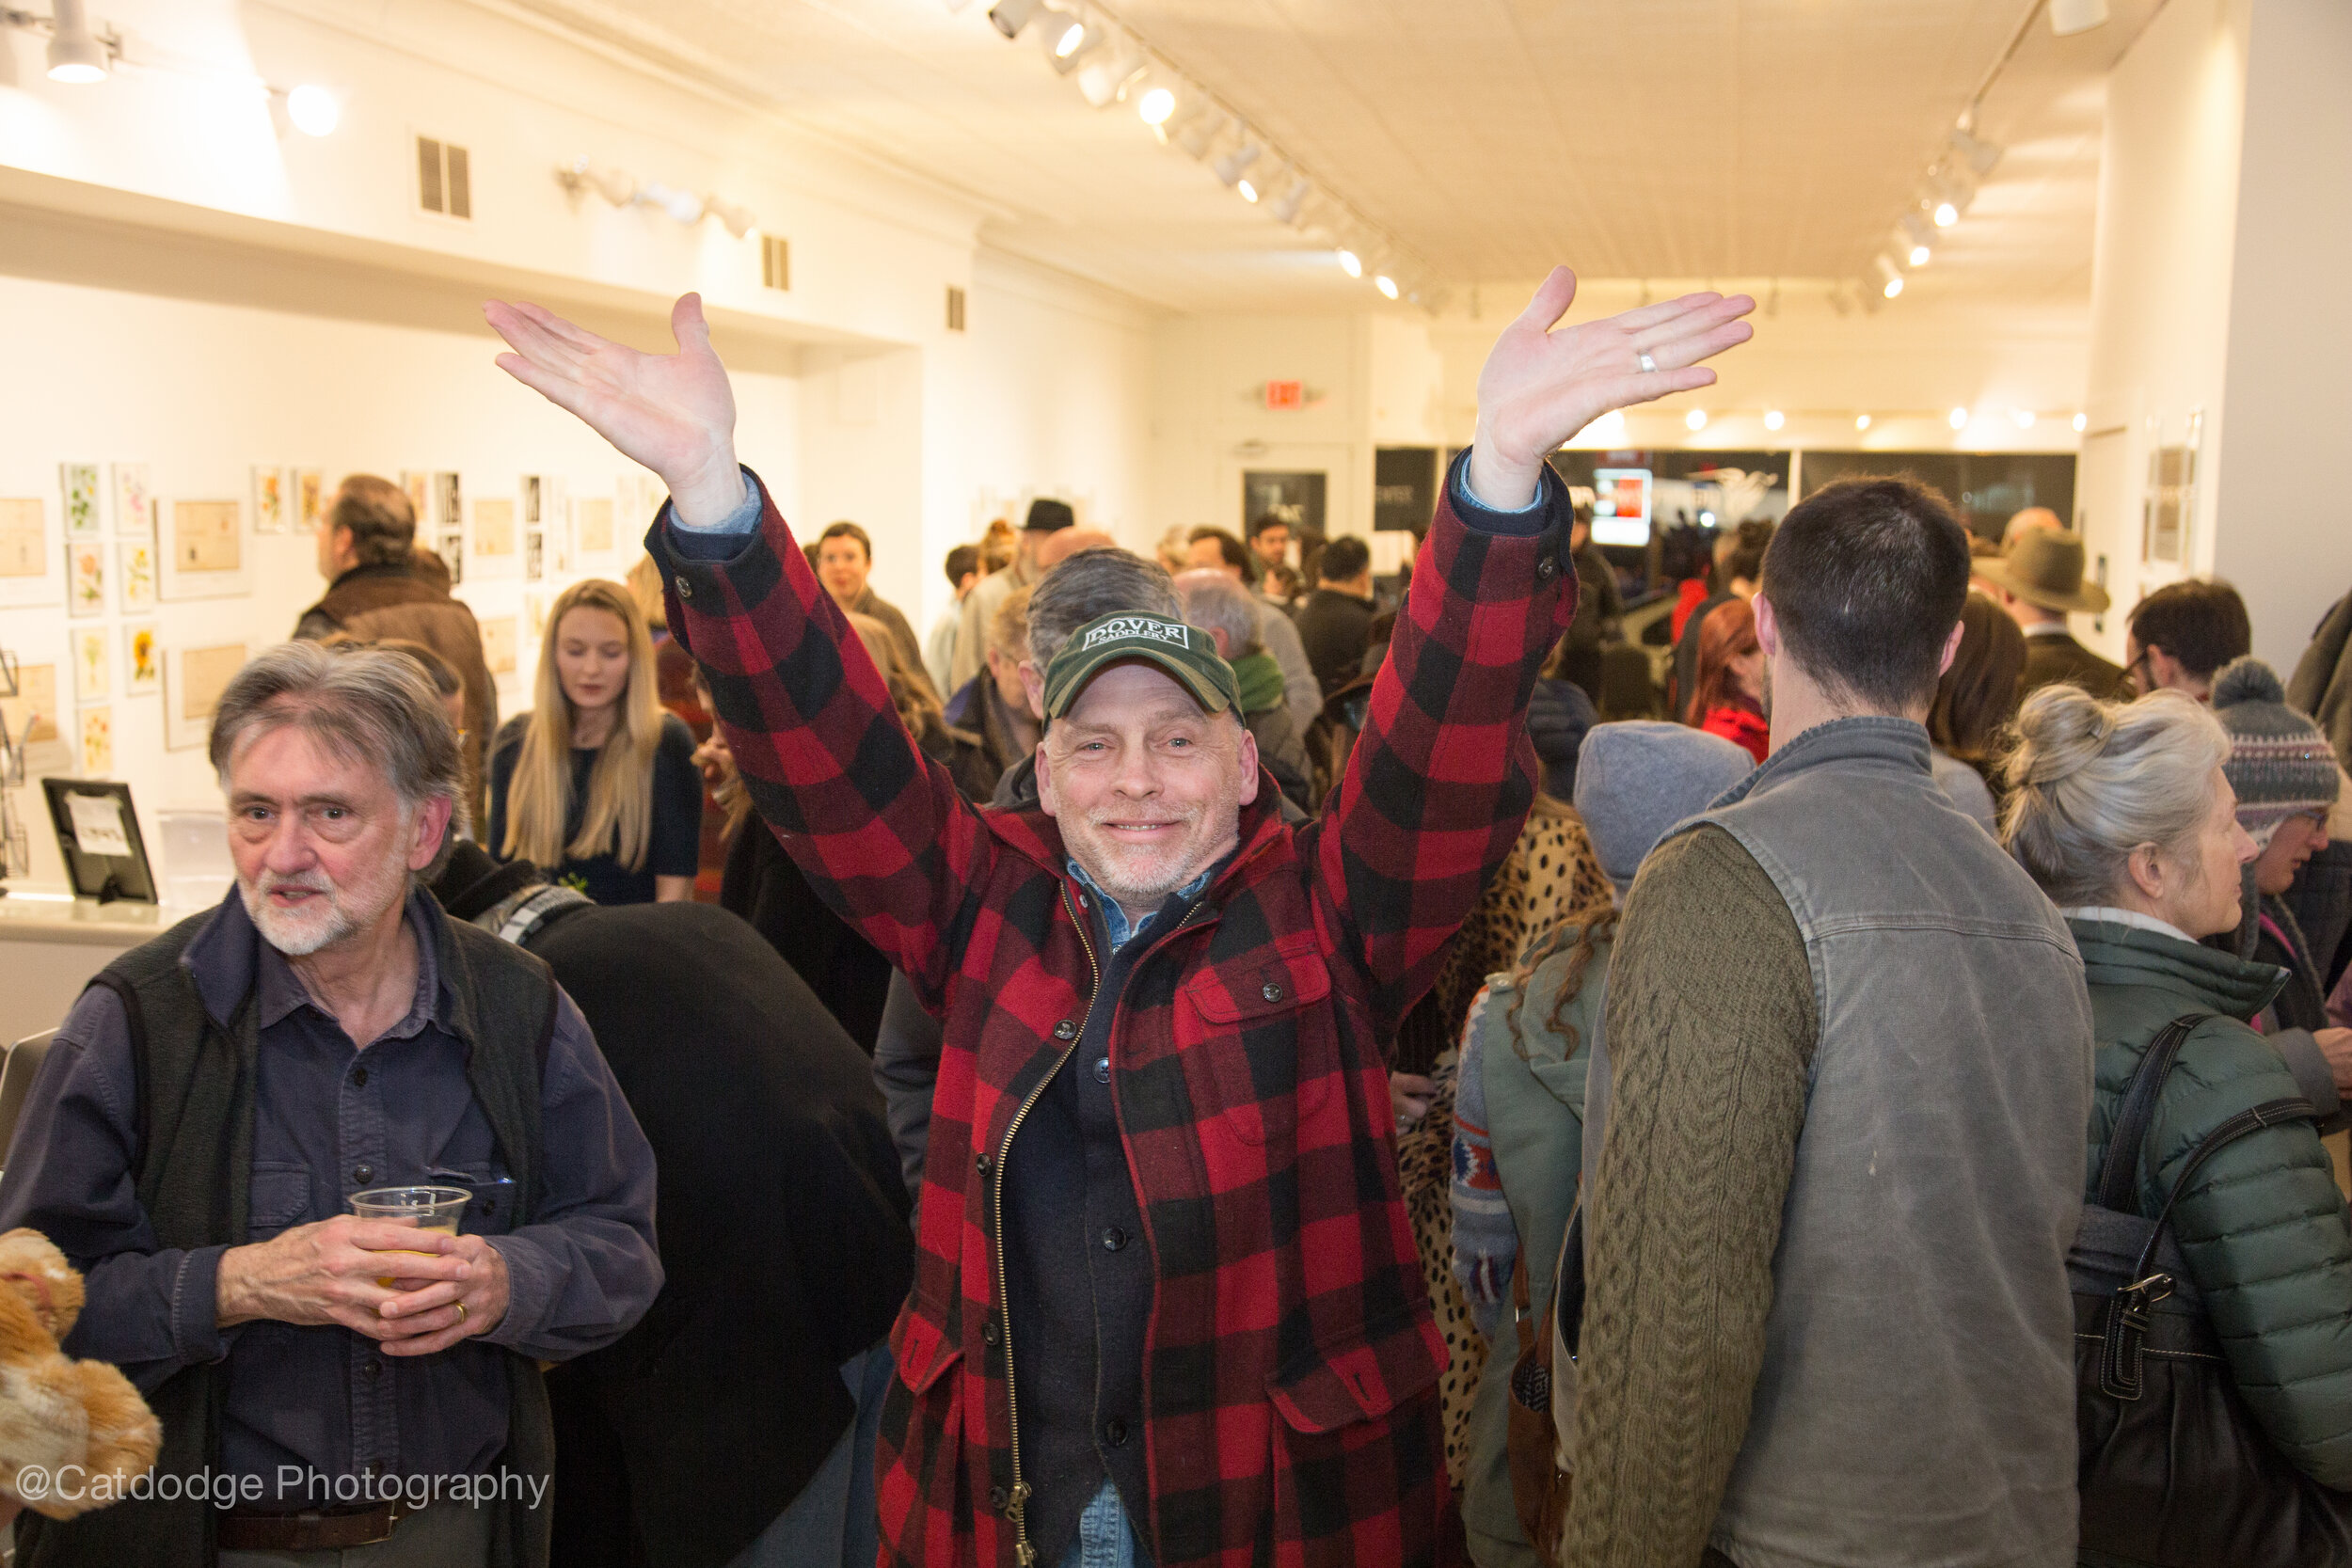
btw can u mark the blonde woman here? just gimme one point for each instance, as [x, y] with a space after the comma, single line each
[597, 784]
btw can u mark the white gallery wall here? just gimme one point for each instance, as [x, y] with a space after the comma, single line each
[195, 289]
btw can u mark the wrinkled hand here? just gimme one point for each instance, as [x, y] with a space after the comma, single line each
[1409, 1093]
[1540, 387]
[674, 413]
[326, 1273]
[429, 1317]
[2336, 1045]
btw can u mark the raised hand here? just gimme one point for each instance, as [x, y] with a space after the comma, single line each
[674, 413]
[1540, 387]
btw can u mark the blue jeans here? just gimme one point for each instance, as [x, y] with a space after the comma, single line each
[1106, 1540]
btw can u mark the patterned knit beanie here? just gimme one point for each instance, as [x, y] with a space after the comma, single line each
[2279, 763]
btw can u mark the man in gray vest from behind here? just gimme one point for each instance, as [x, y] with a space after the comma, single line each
[1827, 1319]
[218, 1096]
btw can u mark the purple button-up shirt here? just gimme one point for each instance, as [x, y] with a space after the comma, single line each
[332, 1120]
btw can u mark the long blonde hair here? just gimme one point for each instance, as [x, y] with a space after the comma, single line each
[619, 814]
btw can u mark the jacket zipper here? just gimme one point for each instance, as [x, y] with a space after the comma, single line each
[1017, 1499]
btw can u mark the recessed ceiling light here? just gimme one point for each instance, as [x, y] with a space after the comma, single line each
[1774, 418]
[315, 111]
[1960, 418]
[1862, 421]
[1695, 420]
[2082, 422]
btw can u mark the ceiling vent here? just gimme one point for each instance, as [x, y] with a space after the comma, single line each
[775, 262]
[444, 179]
[955, 309]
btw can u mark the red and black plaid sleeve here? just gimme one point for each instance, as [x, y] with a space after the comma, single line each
[1444, 774]
[880, 828]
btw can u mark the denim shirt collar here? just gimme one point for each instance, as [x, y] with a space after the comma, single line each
[228, 959]
[1116, 925]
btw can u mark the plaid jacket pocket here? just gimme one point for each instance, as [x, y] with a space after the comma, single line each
[1267, 1036]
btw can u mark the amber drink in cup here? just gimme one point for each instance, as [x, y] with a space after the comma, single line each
[426, 1208]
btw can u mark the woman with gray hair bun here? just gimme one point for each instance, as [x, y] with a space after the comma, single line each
[2234, 1443]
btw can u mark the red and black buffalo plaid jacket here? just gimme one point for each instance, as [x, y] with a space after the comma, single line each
[1291, 1361]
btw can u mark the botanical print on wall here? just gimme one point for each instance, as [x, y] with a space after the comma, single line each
[143, 663]
[135, 561]
[80, 484]
[134, 503]
[86, 578]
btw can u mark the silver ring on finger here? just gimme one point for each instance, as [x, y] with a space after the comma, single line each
[1649, 365]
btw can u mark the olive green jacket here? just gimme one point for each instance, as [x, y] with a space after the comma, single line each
[2261, 1226]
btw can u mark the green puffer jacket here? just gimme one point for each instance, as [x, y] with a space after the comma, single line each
[2263, 1226]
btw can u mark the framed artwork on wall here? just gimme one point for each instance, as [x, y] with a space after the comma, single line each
[194, 678]
[98, 834]
[269, 500]
[498, 643]
[204, 555]
[310, 499]
[25, 576]
[79, 480]
[142, 659]
[494, 541]
[134, 503]
[90, 665]
[134, 574]
[84, 577]
[1297, 498]
[97, 742]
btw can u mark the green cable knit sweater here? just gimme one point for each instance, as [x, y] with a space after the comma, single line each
[1711, 1029]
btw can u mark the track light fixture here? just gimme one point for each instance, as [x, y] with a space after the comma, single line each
[1068, 39]
[1010, 16]
[1110, 74]
[1156, 104]
[622, 189]
[1201, 133]
[1350, 262]
[1386, 284]
[1890, 275]
[1774, 418]
[1979, 155]
[313, 110]
[1290, 202]
[78, 52]
[1862, 421]
[1229, 167]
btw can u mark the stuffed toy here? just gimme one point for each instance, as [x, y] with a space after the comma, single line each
[55, 1412]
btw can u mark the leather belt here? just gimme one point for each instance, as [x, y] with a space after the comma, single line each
[311, 1532]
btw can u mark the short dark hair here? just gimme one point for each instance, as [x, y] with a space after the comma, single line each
[846, 529]
[382, 522]
[963, 559]
[1233, 550]
[1867, 577]
[1343, 560]
[1265, 520]
[2202, 623]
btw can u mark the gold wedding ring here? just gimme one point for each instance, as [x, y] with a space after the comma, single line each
[461, 1314]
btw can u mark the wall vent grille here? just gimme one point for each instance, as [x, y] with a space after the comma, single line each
[444, 179]
[775, 262]
[955, 309]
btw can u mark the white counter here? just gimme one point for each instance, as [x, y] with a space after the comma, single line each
[51, 943]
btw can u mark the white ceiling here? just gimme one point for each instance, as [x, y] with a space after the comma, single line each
[1668, 139]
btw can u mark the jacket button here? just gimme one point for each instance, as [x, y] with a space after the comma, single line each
[980, 1162]
[1103, 1070]
[363, 1174]
[990, 1332]
[1066, 1030]
[1115, 1431]
[685, 589]
[359, 1076]
[374, 1367]
[998, 1498]
[1113, 1238]
[1271, 992]
[1547, 568]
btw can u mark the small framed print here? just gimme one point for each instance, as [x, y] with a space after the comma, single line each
[97, 742]
[98, 834]
[269, 500]
[134, 574]
[134, 503]
[142, 659]
[205, 558]
[86, 576]
[310, 499]
[90, 664]
[79, 480]
[194, 680]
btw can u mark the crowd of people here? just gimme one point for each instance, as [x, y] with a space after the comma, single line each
[1220, 1056]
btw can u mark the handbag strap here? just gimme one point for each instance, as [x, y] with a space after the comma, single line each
[2118, 1175]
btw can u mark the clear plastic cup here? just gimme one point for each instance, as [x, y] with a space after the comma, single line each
[426, 1208]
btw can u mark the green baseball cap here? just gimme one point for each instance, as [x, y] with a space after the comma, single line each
[1184, 651]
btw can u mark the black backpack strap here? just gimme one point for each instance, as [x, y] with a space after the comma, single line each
[2129, 1310]
[2118, 1175]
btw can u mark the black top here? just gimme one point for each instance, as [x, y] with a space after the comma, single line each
[766, 886]
[674, 848]
[1335, 628]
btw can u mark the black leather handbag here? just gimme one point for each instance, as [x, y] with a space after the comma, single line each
[2175, 1470]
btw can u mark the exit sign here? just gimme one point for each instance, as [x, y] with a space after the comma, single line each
[1286, 394]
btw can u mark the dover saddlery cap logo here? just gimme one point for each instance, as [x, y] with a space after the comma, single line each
[1139, 625]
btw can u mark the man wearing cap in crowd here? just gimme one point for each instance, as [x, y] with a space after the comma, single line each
[1046, 517]
[2038, 580]
[1167, 1302]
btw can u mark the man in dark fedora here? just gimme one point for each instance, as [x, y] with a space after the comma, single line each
[2038, 580]
[1046, 517]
